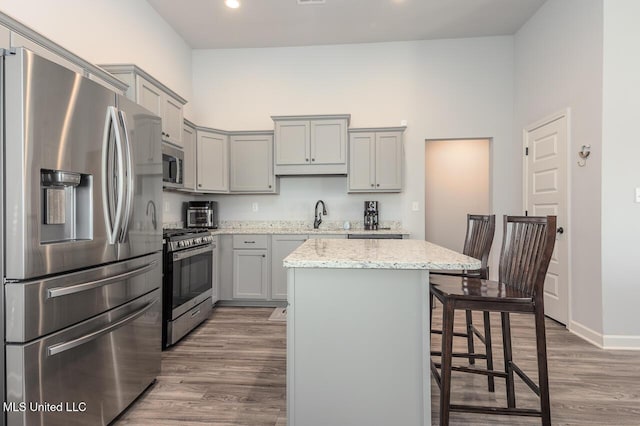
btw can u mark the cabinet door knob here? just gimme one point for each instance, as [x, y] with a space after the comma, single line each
[313, 159]
[264, 255]
[168, 135]
[372, 185]
[269, 186]
[378, 185]
[200, 185]
[163, 133]
[306, 159]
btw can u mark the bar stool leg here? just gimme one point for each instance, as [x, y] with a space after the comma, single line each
[487, 350]
[445, 371]
[508, 356]
[543, 373]
[469, 317]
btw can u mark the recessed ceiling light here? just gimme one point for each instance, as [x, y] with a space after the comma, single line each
[233, 4]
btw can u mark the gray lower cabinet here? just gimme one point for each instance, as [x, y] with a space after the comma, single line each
[251, 264]
[251, 162]
[225, 257]
[215, 276]
[250, 274]
[281, 247]
[375, 159]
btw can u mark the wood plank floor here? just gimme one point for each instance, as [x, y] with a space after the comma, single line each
[231, 371]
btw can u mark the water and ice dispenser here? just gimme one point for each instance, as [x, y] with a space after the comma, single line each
[67, 203]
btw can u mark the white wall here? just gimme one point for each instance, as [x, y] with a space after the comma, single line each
[112, 31]
[459, 88]
[456, 183]
[621, 172]
[558, 64]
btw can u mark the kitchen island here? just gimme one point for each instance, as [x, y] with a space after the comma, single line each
[357, 331]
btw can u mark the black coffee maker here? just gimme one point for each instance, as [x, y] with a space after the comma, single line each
[371, 215]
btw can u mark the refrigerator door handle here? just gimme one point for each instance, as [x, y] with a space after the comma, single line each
[62, 347]
[64, 291]
[128, 210]
[112, 223]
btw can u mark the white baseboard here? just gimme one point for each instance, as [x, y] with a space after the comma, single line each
[586, 333]
[605, 341]
[612, 341]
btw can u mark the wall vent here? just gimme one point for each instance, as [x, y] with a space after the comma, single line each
[306, 2]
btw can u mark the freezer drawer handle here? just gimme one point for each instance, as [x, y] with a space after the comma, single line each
[64, 291]
[62, 347]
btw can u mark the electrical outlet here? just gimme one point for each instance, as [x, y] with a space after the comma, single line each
[254, 207]
[166, 206]
[415, 206]
[637, 195]
[403, 122]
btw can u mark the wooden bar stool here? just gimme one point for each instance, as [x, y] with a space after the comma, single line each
[527, 246]
[477, 244]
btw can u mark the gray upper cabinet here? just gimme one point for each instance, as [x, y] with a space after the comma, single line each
[375, 159]
[189, 147]
[212, 158]
[251, 162]
[312, 144]
[156, 97]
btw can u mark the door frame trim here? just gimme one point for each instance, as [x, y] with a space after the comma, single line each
[564, 113]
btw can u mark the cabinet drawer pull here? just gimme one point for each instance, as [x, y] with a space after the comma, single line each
[249, 242]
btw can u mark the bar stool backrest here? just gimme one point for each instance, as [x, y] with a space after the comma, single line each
[527, 246]
[478, 240]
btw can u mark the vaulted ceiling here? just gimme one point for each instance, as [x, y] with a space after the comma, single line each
[209, 24]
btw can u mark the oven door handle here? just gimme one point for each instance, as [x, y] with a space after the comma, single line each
[192, 252]
[62, 347]
[64, 291]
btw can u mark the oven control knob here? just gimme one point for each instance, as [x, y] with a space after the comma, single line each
[197, 240]
[180, 243]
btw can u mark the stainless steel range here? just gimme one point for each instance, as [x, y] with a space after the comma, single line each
[188, 280]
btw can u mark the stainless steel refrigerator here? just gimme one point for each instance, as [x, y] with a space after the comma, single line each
[81, 245]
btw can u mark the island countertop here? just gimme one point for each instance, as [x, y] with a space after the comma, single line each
[377, 254]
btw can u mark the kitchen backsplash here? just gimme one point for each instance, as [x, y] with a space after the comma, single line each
[300, 224]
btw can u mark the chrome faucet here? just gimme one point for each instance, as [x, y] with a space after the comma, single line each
[317, 219]
[153, 215]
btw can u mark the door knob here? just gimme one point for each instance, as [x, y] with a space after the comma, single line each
[560, 230]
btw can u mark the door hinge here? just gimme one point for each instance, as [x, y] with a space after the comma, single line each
[526, 151]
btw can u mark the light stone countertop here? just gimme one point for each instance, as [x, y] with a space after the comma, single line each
[377, 254]
[301, 227]
[310, 231]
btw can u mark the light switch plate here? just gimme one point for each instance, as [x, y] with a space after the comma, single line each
[637, 195]
[415, 206]
[254, 207]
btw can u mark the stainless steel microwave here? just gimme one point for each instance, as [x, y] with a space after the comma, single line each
[172, 166]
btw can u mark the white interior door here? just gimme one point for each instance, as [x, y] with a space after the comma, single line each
[546, 194]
